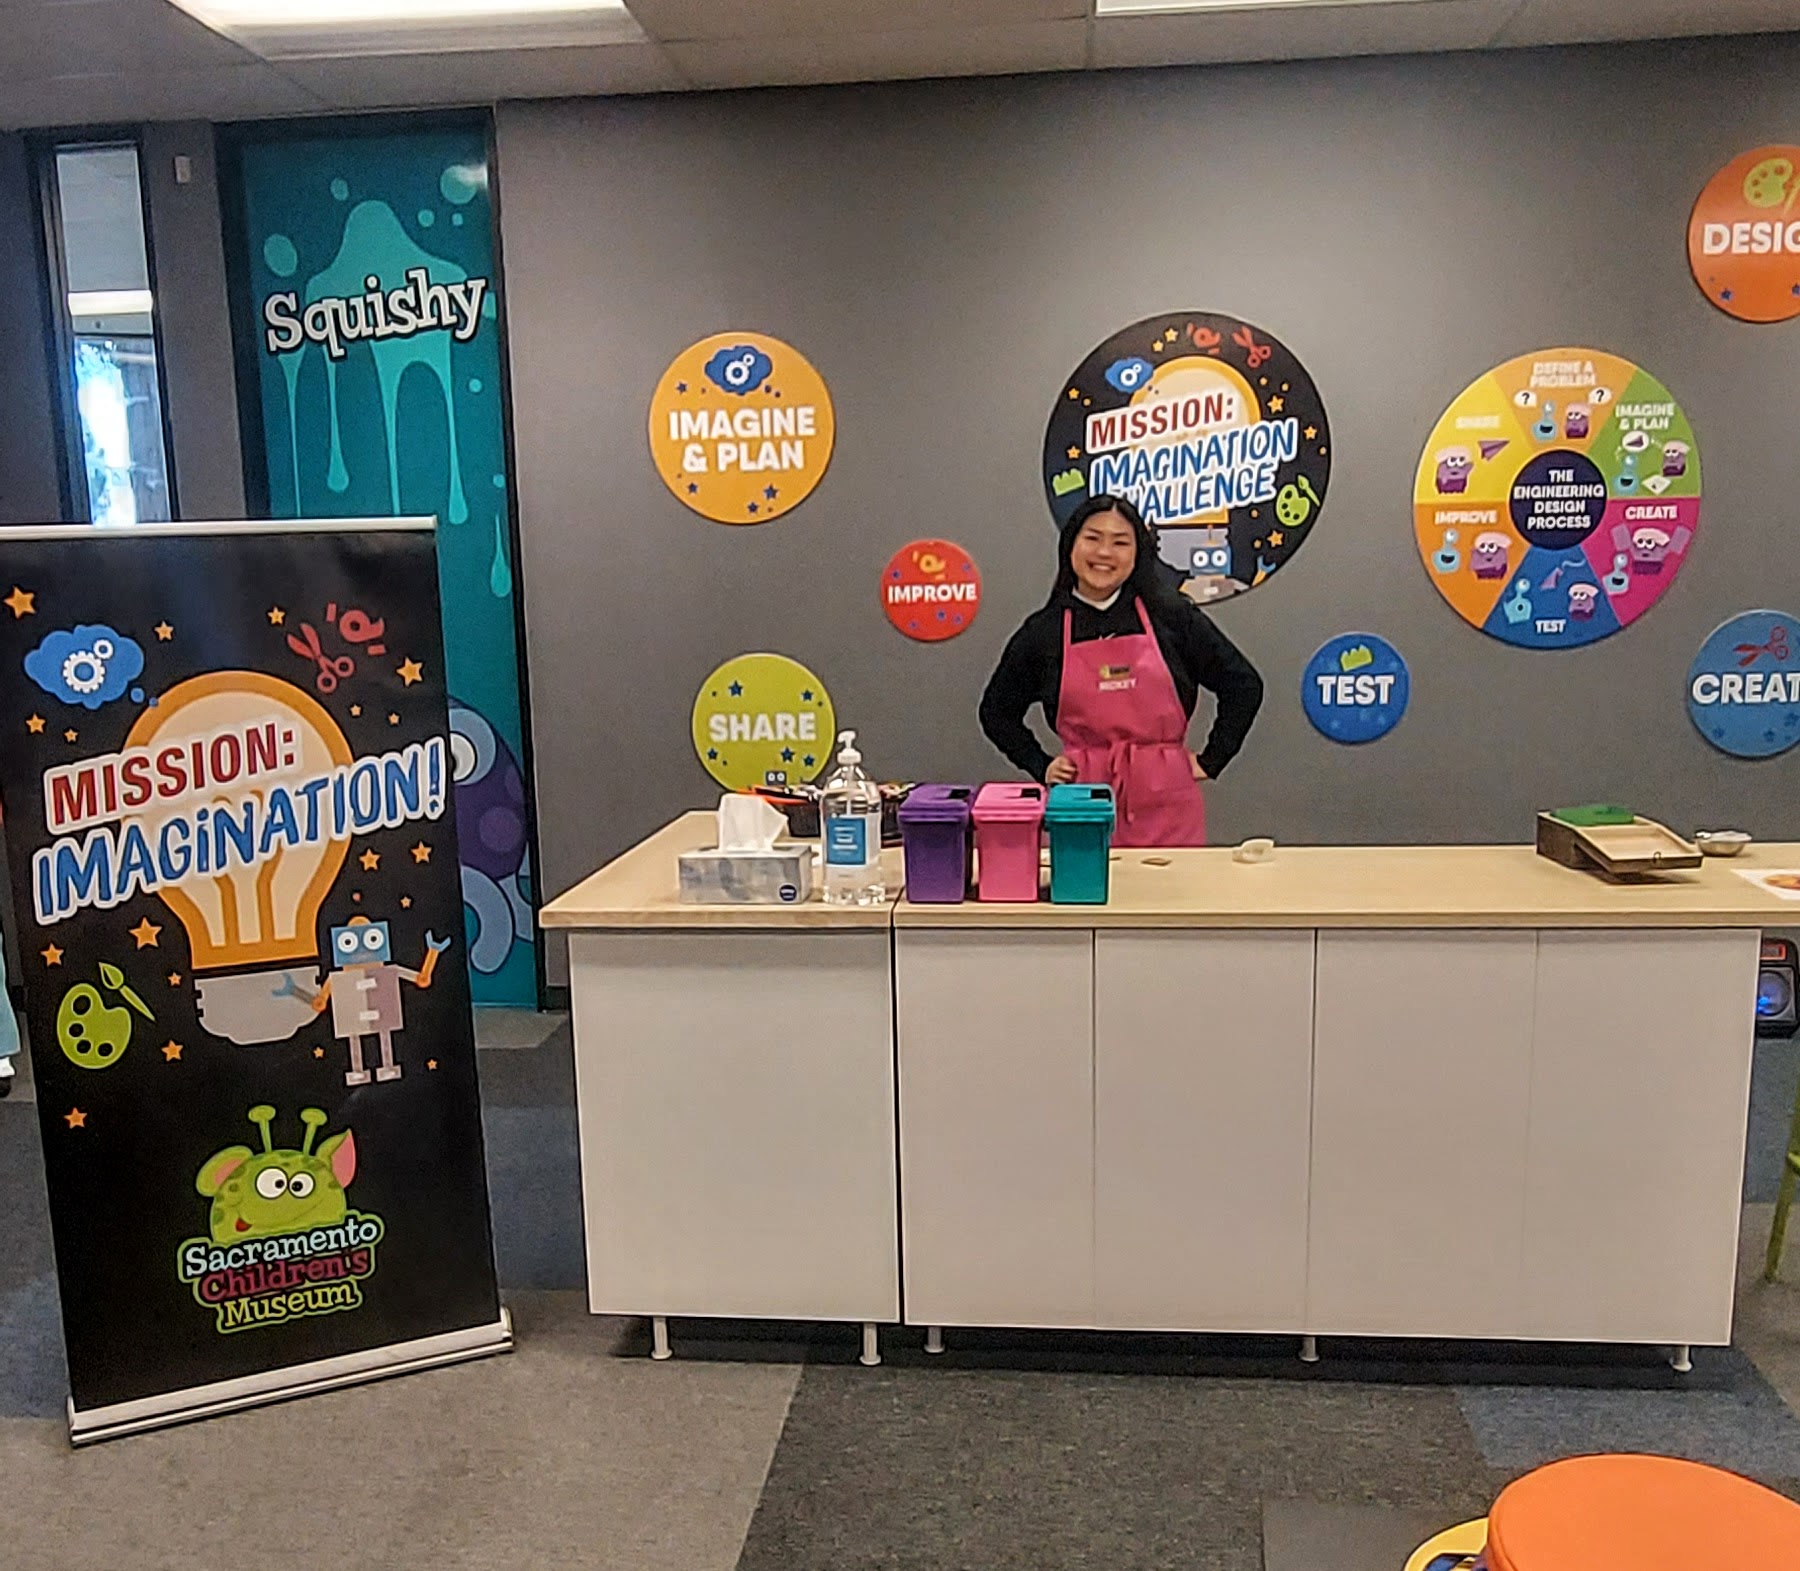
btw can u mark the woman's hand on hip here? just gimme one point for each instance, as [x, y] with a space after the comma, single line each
[1061, 771]
[1199, 773]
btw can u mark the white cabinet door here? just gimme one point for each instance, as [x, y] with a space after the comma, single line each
[1639, 1100]
[1202, 1090]
[996, 1126]
[736, 1100]
[1422, 1065]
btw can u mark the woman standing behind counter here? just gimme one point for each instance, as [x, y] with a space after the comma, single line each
[1117, 658]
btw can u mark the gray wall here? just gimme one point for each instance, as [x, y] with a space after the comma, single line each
[946, 253]
[194, 321]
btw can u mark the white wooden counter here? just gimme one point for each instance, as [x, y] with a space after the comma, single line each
[734, 1083]
[1409, 1091]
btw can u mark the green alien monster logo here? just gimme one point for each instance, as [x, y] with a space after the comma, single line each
[256, 1195]
[284, 1243]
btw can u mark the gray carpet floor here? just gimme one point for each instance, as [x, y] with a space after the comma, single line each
[767, 1448]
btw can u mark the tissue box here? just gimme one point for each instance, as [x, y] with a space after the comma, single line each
[781, 876]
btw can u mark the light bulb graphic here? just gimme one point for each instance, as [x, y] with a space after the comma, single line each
[252, 930]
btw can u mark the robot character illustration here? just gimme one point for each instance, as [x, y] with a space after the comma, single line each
[363, 991]
[490, 832]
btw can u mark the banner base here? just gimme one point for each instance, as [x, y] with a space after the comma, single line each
[279, 1385]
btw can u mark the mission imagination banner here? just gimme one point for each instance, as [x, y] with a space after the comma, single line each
[227, 780]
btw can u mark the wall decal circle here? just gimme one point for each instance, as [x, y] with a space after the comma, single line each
[1355, 688]
[931, 590]
[1557, 498]
[741, 427]
[1744, 236]
[1743, 689]
[1212, 428]
[763, 719]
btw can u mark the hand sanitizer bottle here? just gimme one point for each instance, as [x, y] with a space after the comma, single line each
[850, 817]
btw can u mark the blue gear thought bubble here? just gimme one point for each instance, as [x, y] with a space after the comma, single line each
[89, 665]
[738, 369]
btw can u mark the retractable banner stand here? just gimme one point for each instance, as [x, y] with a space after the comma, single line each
[226, 763]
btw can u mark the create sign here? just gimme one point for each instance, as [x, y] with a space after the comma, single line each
[1744, 685]
[741, 428]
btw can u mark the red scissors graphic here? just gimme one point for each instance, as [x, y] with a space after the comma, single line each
[308, 647]
[1256, 353]
[1776, 648]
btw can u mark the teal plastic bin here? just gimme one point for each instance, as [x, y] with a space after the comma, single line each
[1080, 821]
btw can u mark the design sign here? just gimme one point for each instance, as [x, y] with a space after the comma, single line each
[1212, 429]
[1744, 236]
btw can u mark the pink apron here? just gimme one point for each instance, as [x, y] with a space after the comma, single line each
[1121, 724]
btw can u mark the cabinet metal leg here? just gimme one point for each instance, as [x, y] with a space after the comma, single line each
[659, 1338]
[934, 1339]
[871, 1348]
[1309, 1349]
[1681, 1359]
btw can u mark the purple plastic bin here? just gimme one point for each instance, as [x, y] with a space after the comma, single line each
[934, 828]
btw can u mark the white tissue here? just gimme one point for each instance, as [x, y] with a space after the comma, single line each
[748, 823]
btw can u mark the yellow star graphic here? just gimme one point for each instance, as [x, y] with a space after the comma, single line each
[406, 902]
[171, 1051]
[1277, 404]
[1276, 537]
[53, 956]
[1074, 452]
[1074, 392]
[393, 720]
[164, 632]
[370, 861]
[75, 1118]
[431, 1063]
[174, 979]
[1311, 432]
[146, 934]
[411, 671]
[355, 710]
[318, 1052]
[20, 603]
[276, 616]
[69, 735]
[35, 725]
[421, 852]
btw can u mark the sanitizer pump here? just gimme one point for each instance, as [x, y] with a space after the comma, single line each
[850, 819]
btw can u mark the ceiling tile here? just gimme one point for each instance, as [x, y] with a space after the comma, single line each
[1589, 21]
[124, 36]
[372, 82]
[225, 93]
[1290, 33]
[875, 57]
[827, 19]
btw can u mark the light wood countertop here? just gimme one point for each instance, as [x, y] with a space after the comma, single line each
[642, 889]
[1298, 887]
[1392, 886]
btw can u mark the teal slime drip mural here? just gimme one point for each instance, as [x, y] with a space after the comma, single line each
[379, 358]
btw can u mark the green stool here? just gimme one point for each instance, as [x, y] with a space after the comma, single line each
[1784, 1199]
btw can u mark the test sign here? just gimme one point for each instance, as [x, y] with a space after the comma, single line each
[1355, 688]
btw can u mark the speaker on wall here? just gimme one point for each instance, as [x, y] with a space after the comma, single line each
[1778, 988]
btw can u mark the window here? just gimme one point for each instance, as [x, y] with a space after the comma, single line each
[118, 460]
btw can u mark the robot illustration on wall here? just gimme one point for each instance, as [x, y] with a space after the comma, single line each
[363, 991]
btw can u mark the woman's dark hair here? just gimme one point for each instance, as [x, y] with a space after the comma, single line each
[1152, 580]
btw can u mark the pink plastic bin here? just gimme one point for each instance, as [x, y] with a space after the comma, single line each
[1009, 825]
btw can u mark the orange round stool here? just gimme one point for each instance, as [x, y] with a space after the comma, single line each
[1640, 1513]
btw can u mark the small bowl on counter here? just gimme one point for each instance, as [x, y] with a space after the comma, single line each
[1721, 842]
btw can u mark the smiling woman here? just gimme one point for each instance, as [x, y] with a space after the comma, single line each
[1116, 658]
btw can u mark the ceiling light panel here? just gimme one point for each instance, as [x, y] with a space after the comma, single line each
[336, 29]
[1192, 7]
